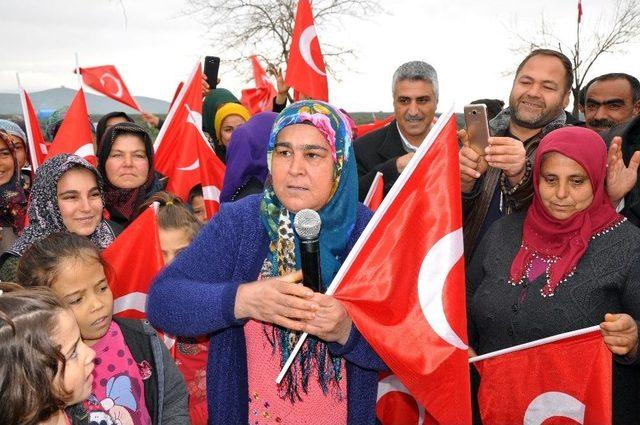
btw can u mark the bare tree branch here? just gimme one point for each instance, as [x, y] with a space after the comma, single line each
[241, 28]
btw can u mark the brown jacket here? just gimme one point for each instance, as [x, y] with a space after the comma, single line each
[476, 203]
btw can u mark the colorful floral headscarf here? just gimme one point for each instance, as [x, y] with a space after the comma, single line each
[338, 221]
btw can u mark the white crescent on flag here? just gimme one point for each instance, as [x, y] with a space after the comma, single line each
[191, 167]
[392, 384]
[116, 81]
[434, 270]
[194, 117]
[551, 404]
[85, 151]
[306, 38]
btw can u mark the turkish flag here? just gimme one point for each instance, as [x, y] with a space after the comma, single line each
[74, 135]
[403, 283]
[182, 152]
[108, 81]
[36, 143]
[395, 404]
[376, 124]
[305, 68]
[570, 378]
[258, 99]
[133, 260]
[376, 193]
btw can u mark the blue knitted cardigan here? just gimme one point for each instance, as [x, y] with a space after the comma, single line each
[196, 294]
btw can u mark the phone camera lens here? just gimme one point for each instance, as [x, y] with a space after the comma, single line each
[474, 112]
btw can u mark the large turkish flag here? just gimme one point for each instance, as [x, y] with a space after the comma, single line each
[182, 152]
[403, 283]
[305, 68]
[567, 381]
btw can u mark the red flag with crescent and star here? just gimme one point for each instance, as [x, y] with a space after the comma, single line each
[130, 270]
[182, 152]
[403, 283]
[306, 72]
[74, 135]
[106, 80]
[37, 146]
[566, 379]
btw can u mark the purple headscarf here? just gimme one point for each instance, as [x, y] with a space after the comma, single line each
[247, 154]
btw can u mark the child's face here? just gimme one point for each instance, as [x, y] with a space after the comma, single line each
[78, 377]
[197, 204]
[82, 284]
[172, 243]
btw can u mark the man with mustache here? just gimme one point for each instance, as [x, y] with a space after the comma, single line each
[389, 149]
[611, 99]
[498, 180]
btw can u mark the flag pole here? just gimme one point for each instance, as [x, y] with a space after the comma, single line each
[535, 343]
[364, 236]
[78, 71]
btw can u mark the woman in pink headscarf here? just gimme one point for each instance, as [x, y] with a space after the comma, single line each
[569, 262]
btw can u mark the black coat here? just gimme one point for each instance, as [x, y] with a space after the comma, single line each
[378, 151]
[630, 133]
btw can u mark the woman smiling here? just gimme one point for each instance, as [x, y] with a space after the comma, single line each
[66, 196]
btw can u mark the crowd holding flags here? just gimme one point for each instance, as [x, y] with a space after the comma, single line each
[409, 306]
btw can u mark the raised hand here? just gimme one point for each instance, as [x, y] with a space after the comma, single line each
[620, 179]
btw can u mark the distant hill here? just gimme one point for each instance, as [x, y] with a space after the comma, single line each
[47, 101]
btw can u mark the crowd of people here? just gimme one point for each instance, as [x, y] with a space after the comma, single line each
[551, 209]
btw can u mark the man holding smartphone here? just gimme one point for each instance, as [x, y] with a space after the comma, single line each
[498, 181]
[389, 149]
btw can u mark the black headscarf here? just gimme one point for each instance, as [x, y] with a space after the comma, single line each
[123, 204]
[102, 124]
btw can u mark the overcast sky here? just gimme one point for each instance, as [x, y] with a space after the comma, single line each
[469, 42]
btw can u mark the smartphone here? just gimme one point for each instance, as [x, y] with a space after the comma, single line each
[211, 67]
[475, 117]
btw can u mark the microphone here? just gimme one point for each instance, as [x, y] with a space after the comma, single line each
[307, 224]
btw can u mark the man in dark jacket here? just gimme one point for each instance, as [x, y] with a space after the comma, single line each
[389, 149]
[498, 181]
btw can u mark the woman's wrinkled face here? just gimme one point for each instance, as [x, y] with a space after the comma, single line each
[79, 201]
[7, 166]
[228, 126]
[127, 166]
[302, 168]
[564, 186]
